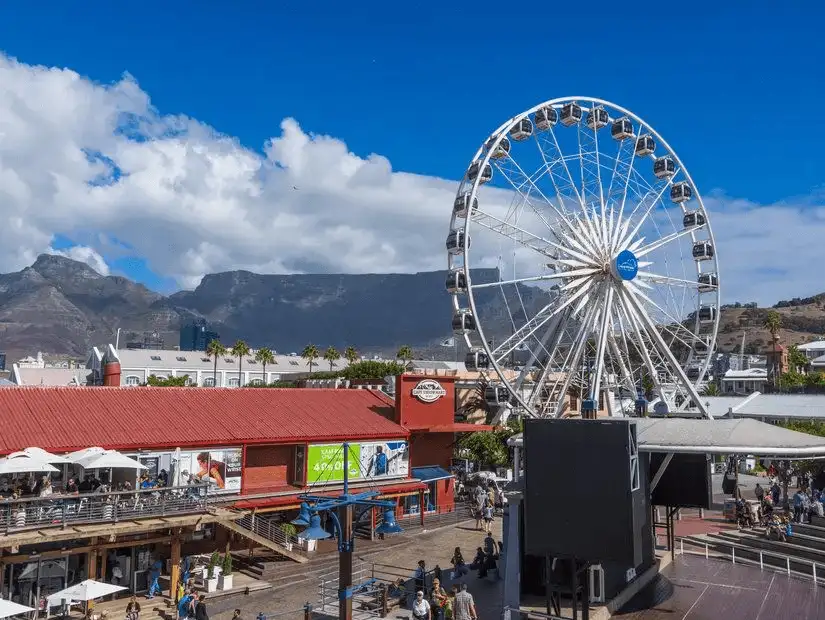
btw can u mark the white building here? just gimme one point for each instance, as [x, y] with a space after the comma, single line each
[813, 350]
[744, 382]
[137, 365]
[32, 362]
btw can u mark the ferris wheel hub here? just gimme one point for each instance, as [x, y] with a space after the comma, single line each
[625, 265]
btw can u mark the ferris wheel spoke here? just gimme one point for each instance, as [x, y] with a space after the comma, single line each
[649, 205]
[533, 325]
[522, 237]
[639, 343]
[548, 276]
[661, 279]
[554, 331]
[526, 197]
[601, 345]
[616, 353]
[647, 249]
[665, 351]
[617, 192]
[673, 321]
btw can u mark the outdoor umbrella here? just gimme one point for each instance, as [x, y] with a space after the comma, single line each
[22, 463]
[8, 608]
[85, 591]
[109, 459]
[47, 457]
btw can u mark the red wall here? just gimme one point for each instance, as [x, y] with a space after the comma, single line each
[268, 468]
[413, 413]
[432, 449]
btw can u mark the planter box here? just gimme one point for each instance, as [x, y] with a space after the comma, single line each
[307, 545]
[212, 585]
[226, 582]
[204, 573]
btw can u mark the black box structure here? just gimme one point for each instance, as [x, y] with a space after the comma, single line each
[586, 493]
[685, 483]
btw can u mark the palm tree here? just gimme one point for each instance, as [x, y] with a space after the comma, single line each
[773, 323]
[239, 349]
[310, 354]
[331, 355]
[350, 354]
[405, 354]
[215, 350]
[264, 356]
[711, 389]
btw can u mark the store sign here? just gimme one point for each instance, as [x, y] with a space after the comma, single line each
[220, 468]
[367, 460]
[428, 391]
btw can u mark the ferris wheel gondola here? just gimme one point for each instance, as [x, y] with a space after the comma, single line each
[607, 265]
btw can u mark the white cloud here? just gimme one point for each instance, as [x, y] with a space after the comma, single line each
[192, 201]
[86, 255]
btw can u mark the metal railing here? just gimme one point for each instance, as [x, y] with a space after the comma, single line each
[760, 557]
[518, 614]
[267, 528]
[442, 516]
[18, 515]
[305, 612]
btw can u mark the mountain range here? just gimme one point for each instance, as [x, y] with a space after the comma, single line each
[62, 306]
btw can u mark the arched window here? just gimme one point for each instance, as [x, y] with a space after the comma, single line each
[233, 382]
[256, 382]
[209, 382]
[132, 380]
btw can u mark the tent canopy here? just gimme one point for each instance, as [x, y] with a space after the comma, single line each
[8, 608]
[700, 436]
[88, 590]
[22, 463]
[98, 458]
[41, 455]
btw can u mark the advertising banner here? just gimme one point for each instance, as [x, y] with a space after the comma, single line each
[221, 468]
[374, 459]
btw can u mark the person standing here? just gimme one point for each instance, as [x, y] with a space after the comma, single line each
[488, 517]
[420, 608]
[200, 609]
[420, 576]
[438, 600]
[759, 492]
[464, 607]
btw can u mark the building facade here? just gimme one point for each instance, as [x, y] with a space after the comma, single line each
[196, 336]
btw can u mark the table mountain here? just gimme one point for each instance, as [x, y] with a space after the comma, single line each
[59, 305]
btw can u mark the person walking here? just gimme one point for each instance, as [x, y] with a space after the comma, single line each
[200, 609]
[421, 607]
[488, 517]
[464, 607]
[438, 600]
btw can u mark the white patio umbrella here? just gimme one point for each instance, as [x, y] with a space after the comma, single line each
[77, 455]
[110, 459]
[88, 590]
[42, 455]
[22, 463]
[9, 608]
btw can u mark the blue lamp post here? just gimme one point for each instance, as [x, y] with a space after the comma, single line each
[341, 510]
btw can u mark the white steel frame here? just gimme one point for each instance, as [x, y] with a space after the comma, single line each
[586, 220]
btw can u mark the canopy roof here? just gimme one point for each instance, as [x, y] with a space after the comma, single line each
[22, 463]
[701, 436]
[9, 608]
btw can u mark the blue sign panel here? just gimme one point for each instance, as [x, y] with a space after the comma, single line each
[626, 265]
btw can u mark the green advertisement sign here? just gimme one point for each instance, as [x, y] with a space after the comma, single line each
[325, 463]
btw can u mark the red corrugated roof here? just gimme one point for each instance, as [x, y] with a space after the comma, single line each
[292, 499]
[70, 418]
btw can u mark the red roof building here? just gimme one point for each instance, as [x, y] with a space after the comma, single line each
[63, 419]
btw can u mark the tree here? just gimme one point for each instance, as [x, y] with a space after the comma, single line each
[239, 349]
[331, 355]
[310, 354]
[350, 354]
[797, 360]
[404, 354]
[264, 356]
[154, 381]
[711, 389]
[490, 448]
[372, 369]
[773, 323]
[215, 350]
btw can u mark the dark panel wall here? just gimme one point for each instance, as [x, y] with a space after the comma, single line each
[686, 482]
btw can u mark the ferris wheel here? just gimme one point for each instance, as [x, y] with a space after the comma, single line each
[582, 266]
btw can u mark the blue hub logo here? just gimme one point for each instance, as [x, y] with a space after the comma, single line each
[626, 265]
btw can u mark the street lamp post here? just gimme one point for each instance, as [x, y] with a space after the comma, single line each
[341, 510]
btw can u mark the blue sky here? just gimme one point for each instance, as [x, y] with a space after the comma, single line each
[735, 93]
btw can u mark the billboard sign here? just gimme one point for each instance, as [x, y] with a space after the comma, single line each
[428, 391]
[220, 468]
[367, 460]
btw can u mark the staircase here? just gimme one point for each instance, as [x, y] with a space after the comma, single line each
[266, 533]
[802, 556]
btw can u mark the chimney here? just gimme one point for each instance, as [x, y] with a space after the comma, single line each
[111, 374]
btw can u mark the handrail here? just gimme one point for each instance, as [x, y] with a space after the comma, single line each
[265, 528]
[762, 554]
[21, 514]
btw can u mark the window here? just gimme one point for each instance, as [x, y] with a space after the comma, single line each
[256, 382]
[209, 382]
[251, 362]
[155, 358]
[410, 503]
[298, 472]
[431, 496]
[228, 360]
[180, 358]
[234, 382]
[132, 380]
[205, 359]
[294, 363]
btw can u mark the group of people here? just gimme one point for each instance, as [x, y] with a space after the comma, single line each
[457, 604]
[486, 500]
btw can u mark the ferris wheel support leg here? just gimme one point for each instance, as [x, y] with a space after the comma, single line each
[668, 355]
[581, 341]
[596, 381]
[626, 376]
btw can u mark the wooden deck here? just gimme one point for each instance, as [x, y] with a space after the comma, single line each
[695, 588]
